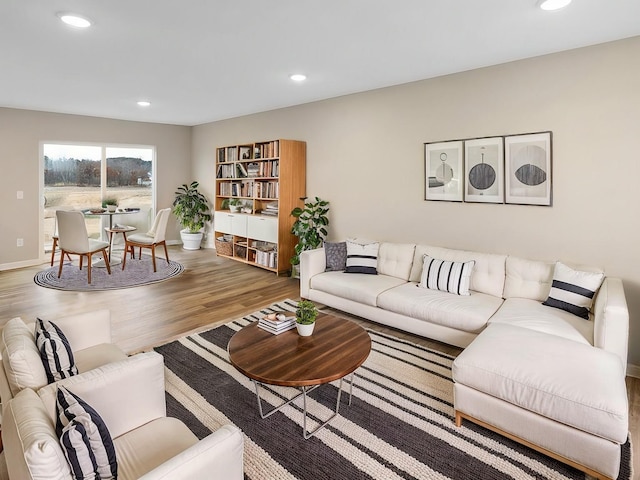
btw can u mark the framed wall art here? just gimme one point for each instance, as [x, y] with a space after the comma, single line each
[484, 170]
[444, 171]
[528, 169]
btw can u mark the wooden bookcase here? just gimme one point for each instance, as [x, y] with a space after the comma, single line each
[268, 179]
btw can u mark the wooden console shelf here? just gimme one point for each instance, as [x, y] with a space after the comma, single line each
[268, 179]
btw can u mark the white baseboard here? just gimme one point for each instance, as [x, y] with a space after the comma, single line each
[633, 370]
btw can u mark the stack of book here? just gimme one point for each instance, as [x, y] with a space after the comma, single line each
[277, 323]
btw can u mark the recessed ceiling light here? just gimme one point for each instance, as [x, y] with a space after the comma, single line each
[298, 77]
[75, 20]
[554, 4]
[144, 103]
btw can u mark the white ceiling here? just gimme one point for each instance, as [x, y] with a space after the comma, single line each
[198, 61]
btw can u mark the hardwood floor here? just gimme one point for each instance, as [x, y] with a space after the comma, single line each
[212, 290]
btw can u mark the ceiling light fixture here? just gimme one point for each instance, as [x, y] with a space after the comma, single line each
[298, 77]
[75, 20]
[144, 103]
[554, 4]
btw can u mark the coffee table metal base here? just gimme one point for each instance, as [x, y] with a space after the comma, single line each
[304, 391]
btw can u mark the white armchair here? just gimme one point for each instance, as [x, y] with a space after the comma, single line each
[89, 335]
[130, 397]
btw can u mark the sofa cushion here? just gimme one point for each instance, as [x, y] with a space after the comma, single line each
[31, 446]
[359, 288]
[87, 444]
[573, 290]
[97, 356]
[531, 314]
[21, 358]
[55, 351]
[520, 366]
[336, 256]
[488, 271]
[396, 259]
[468, 313]
[362, 258]
[527, 278]
[141, 450]
[446, 276]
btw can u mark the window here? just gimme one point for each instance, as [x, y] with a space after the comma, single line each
[82, 177]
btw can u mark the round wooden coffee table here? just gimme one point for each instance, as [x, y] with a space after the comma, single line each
[335, 350]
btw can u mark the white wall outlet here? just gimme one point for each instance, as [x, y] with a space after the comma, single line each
[19, 194]
[20, 242]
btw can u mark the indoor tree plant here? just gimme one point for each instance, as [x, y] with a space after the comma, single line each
[306, 314]
[192, 209]
[309, 227]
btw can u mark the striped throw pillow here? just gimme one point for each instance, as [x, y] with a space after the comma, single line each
[573, 290]
[446, 276]
[362, 258]
[84, 437]
[55, 351]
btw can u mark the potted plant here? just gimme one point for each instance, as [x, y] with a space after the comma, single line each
[306, 314]
[192, 209]
[235, 205]
[110, 204]
[309, 227]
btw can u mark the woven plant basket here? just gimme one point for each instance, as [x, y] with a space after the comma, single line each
[224, 248]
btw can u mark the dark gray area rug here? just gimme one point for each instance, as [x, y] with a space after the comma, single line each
[136, 273]
[399, 426]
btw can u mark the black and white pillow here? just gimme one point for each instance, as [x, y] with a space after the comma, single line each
[55, 351]
[84, 437]
[362, 258]
[446, 276]
[573, 290]
[336, 256]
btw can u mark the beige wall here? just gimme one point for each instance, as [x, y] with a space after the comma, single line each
[365, 155]
[21, 132]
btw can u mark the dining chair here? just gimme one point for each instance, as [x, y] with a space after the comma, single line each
[151, 239]
[54, 239]
[74, 239]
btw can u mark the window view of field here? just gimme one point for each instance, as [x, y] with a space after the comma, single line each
[72, 183]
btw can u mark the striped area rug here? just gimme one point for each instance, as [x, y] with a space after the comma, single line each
[399, 425]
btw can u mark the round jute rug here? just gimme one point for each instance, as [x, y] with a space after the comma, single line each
[136, 273]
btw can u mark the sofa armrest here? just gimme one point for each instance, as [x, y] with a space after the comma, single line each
[126, 394]
[217, 456]
[611, 319]
[312, 262]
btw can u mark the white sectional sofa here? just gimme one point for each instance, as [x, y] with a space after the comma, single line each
[538, 374]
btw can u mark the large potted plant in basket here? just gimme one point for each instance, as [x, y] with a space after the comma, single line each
[192, 209]
[309, 227]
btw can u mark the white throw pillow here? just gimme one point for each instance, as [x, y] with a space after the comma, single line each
[446, 276]
[362, 258]
[573, 290]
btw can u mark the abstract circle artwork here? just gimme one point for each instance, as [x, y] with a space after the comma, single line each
[532, 160]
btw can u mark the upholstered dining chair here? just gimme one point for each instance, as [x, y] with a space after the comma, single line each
[74, 239]
[151, 239]
[54, 239]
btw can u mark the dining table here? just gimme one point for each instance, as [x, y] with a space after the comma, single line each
[107, 213]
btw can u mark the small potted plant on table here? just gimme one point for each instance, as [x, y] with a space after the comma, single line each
[306, 314]
[110, 204]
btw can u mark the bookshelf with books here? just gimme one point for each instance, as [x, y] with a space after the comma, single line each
[269, 179]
